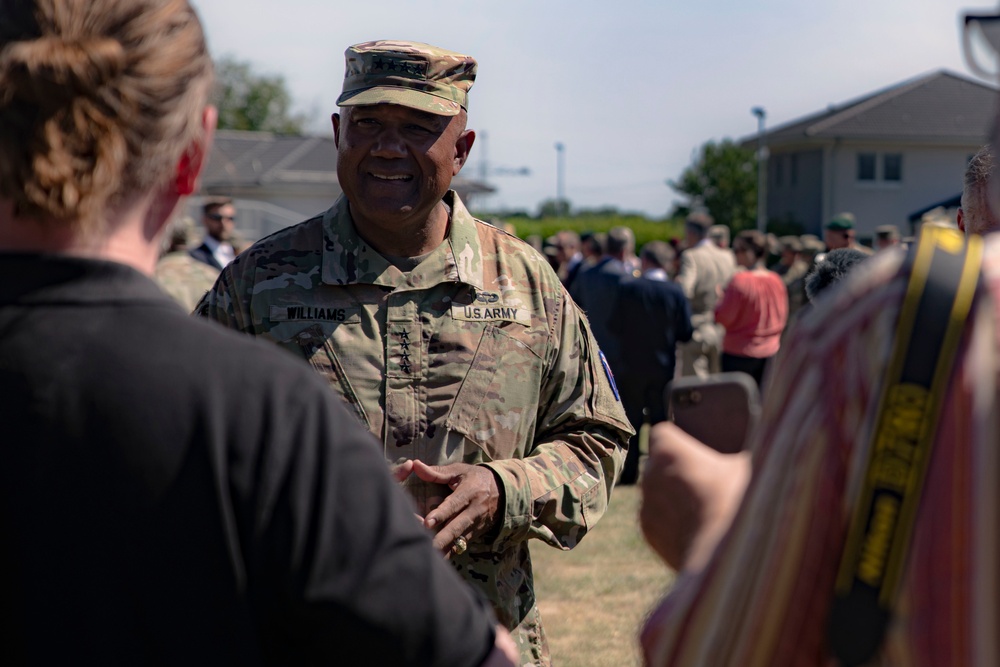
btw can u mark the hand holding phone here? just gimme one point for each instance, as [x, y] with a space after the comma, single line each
[720, 410]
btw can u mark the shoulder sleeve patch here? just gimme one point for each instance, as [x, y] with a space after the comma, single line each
[609, 375]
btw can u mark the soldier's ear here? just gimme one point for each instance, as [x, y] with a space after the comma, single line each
[462, 148]
[335, 118]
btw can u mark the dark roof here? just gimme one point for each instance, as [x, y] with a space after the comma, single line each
[255, 158]
[240, 159]
[935, 107]
[949, 203]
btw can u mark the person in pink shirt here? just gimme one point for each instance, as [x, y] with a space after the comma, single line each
[753, 309]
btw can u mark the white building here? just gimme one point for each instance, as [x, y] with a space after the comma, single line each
[885, 157]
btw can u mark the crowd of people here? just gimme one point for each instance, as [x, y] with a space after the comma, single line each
[370, 414]
[696, 306]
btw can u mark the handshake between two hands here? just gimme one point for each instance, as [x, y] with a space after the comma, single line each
[466, 509]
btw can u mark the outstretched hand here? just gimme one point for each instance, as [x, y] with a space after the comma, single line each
[690, 494]
[470, 510]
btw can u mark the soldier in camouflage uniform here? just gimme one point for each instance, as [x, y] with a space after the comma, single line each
[178, 273]
[453, 342]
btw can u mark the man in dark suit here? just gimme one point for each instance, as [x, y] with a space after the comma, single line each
[595, 289]
[650, 317]
[219, 219]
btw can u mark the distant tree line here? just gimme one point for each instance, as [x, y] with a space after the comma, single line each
[250, 101]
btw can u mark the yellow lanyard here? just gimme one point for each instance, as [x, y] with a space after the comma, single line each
[939, 295]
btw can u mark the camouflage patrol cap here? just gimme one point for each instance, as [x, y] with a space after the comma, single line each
[411, 74]
[887, 232]
[811, 245]
[793, 243]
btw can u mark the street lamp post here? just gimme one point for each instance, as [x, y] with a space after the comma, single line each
[761, 170]
[560, 175]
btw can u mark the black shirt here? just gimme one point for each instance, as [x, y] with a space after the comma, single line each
[174, 493]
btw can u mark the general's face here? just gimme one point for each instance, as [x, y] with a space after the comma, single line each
[220, 222]
[395, 163]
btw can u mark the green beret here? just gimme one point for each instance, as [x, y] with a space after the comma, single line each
[841, 222]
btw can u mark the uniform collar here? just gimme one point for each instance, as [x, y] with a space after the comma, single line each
[348, 259]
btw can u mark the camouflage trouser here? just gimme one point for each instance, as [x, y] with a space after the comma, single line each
[702, 355]
[505, 579]
[531, 642]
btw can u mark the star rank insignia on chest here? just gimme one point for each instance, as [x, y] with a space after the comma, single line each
[404, 346]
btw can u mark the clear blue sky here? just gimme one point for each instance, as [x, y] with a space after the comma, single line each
[631, 88]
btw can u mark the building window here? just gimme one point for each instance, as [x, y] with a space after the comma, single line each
[892, 167]
[866, 166]
[793, 171]
[885, 167]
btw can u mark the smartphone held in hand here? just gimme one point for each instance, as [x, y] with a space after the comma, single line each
[720, 410]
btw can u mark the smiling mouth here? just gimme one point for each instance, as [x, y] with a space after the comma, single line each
[390, 177]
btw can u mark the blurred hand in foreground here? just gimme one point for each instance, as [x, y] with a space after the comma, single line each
[690, 494]
[504, 653]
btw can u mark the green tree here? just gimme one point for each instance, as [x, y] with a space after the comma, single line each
[723, 179]
[250, 101]
[554, 208]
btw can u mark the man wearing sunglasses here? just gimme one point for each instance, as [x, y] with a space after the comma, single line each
[219, 219]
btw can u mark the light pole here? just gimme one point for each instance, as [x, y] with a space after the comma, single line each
[560, 175]
[761, 170]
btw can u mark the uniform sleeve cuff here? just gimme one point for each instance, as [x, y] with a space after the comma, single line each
[515, 523]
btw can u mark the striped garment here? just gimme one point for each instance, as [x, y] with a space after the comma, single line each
[764, 598]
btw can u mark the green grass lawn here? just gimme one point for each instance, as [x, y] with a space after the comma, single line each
[594, 598]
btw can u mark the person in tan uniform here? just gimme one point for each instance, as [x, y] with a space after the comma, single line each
[705, 270]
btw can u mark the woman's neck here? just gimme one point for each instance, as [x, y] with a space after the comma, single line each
[128, 235]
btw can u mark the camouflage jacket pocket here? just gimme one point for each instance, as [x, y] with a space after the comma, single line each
[314, 345]
[497, 404]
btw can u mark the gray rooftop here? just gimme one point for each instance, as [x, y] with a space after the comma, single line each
[934, 108]
[242, 159]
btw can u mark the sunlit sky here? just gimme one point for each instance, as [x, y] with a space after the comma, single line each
[630, 88]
